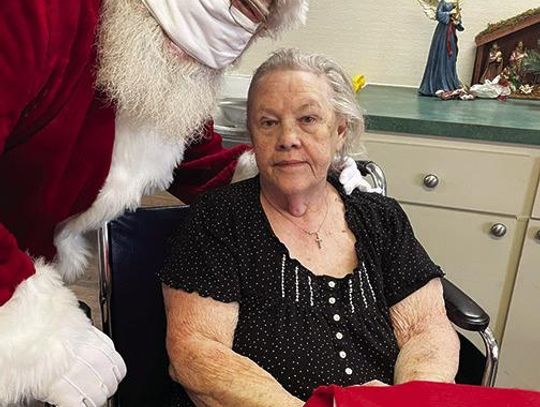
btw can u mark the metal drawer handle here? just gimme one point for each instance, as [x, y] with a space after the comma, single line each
[431, 181]
[498, 230]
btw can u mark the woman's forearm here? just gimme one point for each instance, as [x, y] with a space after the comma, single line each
[215, 376]
[430, 355]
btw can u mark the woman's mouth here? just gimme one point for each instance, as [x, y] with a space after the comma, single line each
[290, 163]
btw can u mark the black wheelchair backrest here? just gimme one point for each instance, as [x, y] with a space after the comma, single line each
[135, 246]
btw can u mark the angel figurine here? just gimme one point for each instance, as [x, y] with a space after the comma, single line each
[440, 73]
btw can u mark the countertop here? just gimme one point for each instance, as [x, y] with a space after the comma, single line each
[401, 110]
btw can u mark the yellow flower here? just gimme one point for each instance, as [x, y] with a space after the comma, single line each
[358, 81]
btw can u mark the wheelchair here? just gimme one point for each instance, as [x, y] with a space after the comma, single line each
[131, 251]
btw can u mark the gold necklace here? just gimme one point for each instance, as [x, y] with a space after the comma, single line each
[316, 233]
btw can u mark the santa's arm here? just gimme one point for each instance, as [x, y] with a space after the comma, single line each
[17, 88]
[206, 165]
[49, 349]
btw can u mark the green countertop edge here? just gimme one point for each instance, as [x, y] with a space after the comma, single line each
[400, 110]
[451, 130]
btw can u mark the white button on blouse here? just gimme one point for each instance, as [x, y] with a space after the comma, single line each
[348, 371]
[332, 300]
[336, 317]
[339, 335]
[331, 284]
[342, 354]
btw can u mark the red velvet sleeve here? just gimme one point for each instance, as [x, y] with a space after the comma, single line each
[206, 165]
[24, 34]
[15, 265]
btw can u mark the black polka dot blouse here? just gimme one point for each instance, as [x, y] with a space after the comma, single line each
[304, 329]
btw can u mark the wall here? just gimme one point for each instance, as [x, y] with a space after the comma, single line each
[386, 40]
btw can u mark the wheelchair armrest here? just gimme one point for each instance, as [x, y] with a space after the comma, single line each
[362, 166]
[462, 310]
[369, 168]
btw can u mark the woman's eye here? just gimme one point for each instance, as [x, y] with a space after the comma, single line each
[267, 123]
[308, 119]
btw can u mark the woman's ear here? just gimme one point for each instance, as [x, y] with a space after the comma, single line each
[342, 129]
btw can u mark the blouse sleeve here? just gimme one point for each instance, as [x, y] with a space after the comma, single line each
[406, 266]
[200, 258]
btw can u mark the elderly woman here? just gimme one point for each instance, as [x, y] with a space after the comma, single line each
[282, 282]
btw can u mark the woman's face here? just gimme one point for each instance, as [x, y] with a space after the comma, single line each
[294, 129]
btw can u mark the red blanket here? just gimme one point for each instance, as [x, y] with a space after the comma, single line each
[421, 394]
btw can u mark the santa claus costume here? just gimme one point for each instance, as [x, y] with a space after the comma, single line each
[74, 155]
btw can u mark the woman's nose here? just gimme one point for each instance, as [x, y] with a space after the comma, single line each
[288, 137]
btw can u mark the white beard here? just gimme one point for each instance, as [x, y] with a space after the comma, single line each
[146, 79]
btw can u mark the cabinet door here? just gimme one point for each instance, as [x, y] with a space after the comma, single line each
[480, 264]
[536, 207]
[520, 351]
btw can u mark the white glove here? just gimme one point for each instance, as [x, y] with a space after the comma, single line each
[94, 375]
[351, 178]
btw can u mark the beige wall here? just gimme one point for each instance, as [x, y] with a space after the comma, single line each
[387, 40]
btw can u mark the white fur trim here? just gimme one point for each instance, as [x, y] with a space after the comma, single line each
[142, 163]
[246, 167]
[36, 326]
[287, 15]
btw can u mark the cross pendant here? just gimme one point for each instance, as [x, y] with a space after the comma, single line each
[318, 240]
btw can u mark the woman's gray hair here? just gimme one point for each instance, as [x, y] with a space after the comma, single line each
[343, 100]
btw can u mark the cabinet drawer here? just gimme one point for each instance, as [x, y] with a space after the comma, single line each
[480, 264]
[519, 353]
[489, 181]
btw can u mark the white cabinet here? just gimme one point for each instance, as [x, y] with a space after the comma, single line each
[520, 351]
[470, 187]
[461, 243]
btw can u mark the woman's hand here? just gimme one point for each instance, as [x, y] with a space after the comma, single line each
[375, 383]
